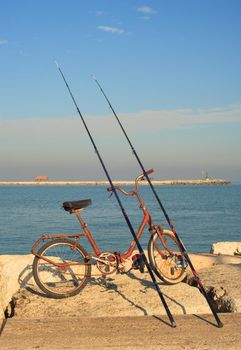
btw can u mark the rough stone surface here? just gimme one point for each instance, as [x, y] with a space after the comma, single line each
[13, 270]
[229, 248]
[223, 284]
[122, 295]
[129, 294]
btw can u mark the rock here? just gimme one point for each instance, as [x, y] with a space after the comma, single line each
[15, 271]
[223, 284]
[222, 301]
[122, 294]
[229, 248]
[203, 261]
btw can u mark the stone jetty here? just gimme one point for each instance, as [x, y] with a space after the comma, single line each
[116, 183]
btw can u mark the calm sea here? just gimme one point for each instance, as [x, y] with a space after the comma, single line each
[201, 215]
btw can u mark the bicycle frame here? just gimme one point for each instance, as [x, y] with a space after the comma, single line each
[147, 220]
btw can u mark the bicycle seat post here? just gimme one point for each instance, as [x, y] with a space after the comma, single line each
[81, 221]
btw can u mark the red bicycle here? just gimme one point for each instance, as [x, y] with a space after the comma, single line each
[62, 267]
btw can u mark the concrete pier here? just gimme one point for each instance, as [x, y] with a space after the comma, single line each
[116, 183]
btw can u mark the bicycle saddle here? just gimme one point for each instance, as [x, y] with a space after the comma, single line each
[73, 205]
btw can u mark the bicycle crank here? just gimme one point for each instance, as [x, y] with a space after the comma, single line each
[107, 263]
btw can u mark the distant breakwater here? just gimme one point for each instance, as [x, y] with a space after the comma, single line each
[116, 183]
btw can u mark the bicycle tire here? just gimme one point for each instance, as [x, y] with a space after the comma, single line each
[63, 282]
[168, 267]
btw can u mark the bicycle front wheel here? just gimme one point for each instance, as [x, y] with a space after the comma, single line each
[165, 257]
[64, 272]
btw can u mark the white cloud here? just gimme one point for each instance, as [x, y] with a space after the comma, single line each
[99, 13]
[3, 41]
[146, 18]
[146, 10]
[148, 120]
[37, 145]
[111, 29]
[184, 118]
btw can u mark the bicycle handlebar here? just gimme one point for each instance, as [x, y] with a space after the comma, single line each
[148, 172]
[133, 192]
[130, 193]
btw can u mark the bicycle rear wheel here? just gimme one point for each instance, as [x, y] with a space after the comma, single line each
[67, 270]
[166, 261]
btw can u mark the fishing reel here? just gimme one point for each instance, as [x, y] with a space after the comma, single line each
[138, 263]
[107, 263]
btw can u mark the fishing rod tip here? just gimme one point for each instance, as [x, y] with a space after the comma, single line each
[93, 76]
[56, 63]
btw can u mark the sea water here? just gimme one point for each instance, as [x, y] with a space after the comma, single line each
[202, 215]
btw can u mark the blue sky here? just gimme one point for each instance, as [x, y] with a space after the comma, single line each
[172, 70]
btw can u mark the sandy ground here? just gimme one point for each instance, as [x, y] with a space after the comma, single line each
[125, 311]
[192, 332]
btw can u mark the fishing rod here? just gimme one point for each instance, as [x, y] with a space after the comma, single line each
[183, 249]
[173, 323]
